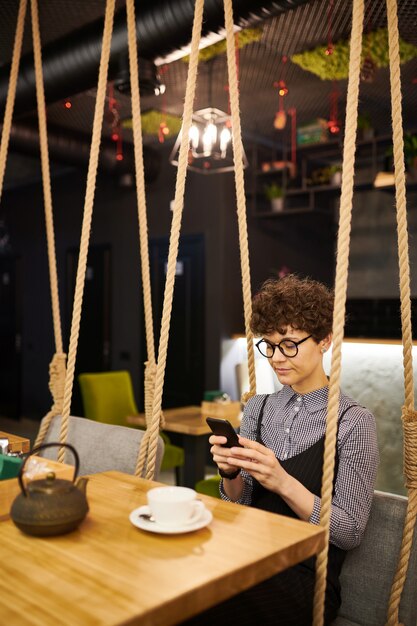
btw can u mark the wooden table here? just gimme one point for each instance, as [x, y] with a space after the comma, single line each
[108, 572]
[190, 422]
[16, 444]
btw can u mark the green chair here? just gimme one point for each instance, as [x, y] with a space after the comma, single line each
[108, 398]
[209, 486]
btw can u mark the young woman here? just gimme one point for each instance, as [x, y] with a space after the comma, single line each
[280, 465]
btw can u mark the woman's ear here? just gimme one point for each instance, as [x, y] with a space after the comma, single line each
[326, 343]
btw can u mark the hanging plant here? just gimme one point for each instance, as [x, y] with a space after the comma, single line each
[151, 122]
[244, 37]
[336, 65]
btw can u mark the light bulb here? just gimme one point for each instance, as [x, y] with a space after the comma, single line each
[194, 136]
[209, 138]
[225, 137]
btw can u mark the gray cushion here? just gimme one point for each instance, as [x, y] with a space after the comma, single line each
[101, 447]
[368, 571]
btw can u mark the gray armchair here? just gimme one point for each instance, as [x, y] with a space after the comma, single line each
[101, 447]
[369, 570]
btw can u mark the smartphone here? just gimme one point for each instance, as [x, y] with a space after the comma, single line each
[224, 428]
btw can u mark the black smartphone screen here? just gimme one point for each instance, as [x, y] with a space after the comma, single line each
[224, 428]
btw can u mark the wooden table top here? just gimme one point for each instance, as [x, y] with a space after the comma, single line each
[187, 420]
[109, 572]
[16, 444]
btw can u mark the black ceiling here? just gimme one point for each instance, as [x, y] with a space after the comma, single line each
[287, 31]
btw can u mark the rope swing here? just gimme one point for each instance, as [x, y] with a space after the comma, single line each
[155, 384]
[57, 365]
[150, 442]
[61, 379]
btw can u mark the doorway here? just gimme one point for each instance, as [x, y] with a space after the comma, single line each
[94, 342]
[185, 370]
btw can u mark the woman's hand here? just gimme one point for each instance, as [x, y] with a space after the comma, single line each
[260, 462]
[220, 453]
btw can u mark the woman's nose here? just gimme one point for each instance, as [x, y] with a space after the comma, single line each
[278, 356]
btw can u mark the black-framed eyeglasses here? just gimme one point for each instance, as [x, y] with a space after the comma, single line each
[287, 347]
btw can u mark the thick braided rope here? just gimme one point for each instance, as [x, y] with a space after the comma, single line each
[410, 466]
[240, 193]
[46, 177]
[400, 196]
[57, 372]
[409, 415]
[150, 367]
[175, 230]
[57, 368]
[11, 92]
[150, 376]
[140, 179]
[149, 386]
[349, 148]
[88, 210]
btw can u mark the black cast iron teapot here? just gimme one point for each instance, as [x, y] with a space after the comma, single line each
[50, 506]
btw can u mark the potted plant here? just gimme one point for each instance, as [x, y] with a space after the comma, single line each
[335, 175]
[275, 194]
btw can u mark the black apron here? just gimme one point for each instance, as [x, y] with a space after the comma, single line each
[285, 599]
[306, 467]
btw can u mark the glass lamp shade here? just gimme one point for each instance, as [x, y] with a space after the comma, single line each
[210, 137]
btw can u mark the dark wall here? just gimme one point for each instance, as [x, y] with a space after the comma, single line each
[304, 246]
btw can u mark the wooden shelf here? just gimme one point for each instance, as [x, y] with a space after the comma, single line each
[312, 156]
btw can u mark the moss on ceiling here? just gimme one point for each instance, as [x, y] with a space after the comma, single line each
[244, 37]
[151, 121]
[336, 66]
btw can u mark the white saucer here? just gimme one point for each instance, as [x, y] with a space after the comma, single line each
[144, 524]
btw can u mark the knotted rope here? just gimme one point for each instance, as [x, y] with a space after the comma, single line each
[240, 194]
[57, 372]
[409, 415]
[57, 366]
[150, 376]
[86, 226]
[150, 365]
[342, 262]
[152, 440]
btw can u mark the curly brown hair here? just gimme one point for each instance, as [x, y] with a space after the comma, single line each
[302, 303]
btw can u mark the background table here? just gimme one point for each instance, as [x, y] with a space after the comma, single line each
[190, 422]
[108, 572]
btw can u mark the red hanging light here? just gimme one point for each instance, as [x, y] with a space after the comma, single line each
[280, 119]
[333, 124]
[329, 50]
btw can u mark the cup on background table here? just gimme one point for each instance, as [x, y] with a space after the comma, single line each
[174, 506]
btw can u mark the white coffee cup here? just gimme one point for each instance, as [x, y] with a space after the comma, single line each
[174, 506]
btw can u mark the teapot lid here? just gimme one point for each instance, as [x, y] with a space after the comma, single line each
[50, 485]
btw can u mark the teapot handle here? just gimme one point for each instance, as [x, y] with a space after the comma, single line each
[42, 447]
